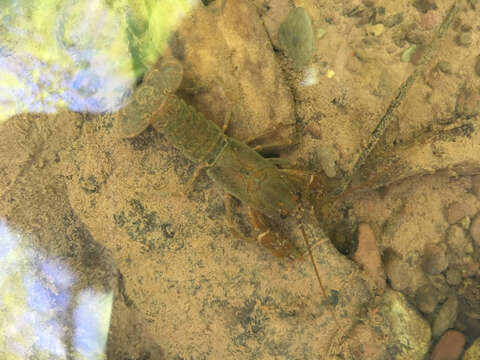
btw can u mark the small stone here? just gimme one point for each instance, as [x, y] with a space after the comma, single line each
[427, 298]
[368, 255]
[407, 54]
[475, 229]
[454, 277]
[477, 66]
[425, 5]
[396, 270]
[434, 259]
[465, 222]
[458, 242]
[473, 352]
[456, 211]
[375, 30]
[445, 67]
[449, 347]
[328, 157]
[445, 316]
[296, 37]
[464, 39]
[431, 19]
[417, 55]
[393, 20]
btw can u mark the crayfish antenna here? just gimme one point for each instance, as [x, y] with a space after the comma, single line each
[309, 249]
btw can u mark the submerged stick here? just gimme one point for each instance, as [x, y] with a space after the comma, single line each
[388, 117]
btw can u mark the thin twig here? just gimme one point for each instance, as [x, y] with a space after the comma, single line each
[388, 117]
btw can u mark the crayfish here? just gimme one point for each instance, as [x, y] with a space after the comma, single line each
[275, 195]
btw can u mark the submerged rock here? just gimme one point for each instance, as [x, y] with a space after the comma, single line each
[449, 346]
[445, 317]
[473, 352]
[296, 37]
[410, 333]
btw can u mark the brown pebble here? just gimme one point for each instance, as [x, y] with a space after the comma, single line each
[368, 254]
[456, 211]
[449, 347]
[417, 55]
[397, 271]
[431, 19]
[475, 229]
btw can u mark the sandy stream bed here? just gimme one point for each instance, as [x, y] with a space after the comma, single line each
[198, 292]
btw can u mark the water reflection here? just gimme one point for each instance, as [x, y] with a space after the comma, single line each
[42, 314]
[84, 55]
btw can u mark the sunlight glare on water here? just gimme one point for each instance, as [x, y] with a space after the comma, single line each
[80, 55]
[38, 303]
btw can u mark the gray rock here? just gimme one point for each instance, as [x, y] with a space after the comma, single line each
[445, 316]
[296, 37]
[427, 298]
[410, 333]
[328, 158]
[434, 259]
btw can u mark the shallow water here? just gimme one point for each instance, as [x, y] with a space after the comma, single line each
[98, 227]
